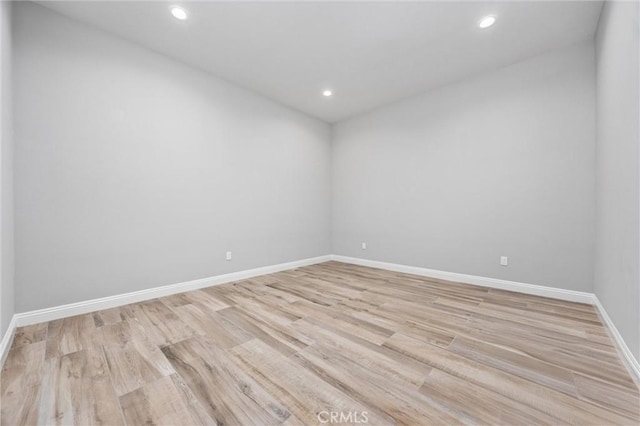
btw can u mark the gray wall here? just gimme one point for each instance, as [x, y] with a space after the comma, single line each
[501, 164]
[6, 170]
[617, 274]
[134, 171]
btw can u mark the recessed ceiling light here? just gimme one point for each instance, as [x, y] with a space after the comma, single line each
[327, 93]
[179, 13]
[487, 21]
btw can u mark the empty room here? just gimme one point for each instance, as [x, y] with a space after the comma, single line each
[319, 212]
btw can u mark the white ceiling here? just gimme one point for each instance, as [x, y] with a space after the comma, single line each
[369, 54]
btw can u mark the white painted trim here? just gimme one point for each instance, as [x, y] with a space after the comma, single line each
[57, 312]
[7, 340]
[625, 353]
[533, 289]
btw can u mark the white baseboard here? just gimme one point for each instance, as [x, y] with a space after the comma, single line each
[57, 312]
[625, 353]
[555, 293]
[7, 340]
[536, 290]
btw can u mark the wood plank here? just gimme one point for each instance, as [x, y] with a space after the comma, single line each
[30, 334]
[285, 347]
[68, 335]
[608, 395]
[211, 324]
[524, 391]
[163, 402]
[280, 340]
[226, 392]
[77, 390]
[161, 324]
[375, 390]
[21, 384]
[395, 367]
[463, 396]
[516, 363]
[108, 317]
[303, 393]
[133, 360]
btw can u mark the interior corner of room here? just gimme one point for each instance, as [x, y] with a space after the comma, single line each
[129, 173]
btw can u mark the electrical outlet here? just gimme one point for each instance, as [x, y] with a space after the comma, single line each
[228, 255]
[504, 260]
[364, 246]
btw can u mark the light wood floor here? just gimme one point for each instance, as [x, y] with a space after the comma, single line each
[374, 345]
